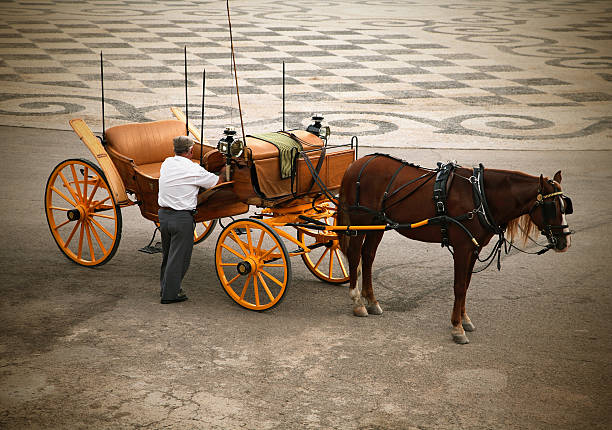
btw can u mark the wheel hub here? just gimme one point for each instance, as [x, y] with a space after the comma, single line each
[73, 214]
[244, 267]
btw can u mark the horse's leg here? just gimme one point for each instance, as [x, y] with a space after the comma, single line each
[368, 253]
[466, 322]
[464, 259]
[354, 259]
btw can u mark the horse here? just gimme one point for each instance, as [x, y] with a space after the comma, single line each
[479, 203]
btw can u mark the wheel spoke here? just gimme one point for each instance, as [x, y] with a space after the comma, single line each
[95, 233]
[256, 290]
[93, 191]
[57, 208]
[265, 286]
[72, 234]
[81, 241]
[62, 195]
[240, 243]
[331, 263]
[272, 277]
[261, 238]
[89, 241]
[273, 265]
[100, 202]
[321, 259]
[263, 257]
[76, 182]
[102, 228]
[344, 272]
[85, 174]
[249, 241]
[223, 245]
[234, 278]
[245, 287]
[67, 185]
[103, 216]
[57, 227]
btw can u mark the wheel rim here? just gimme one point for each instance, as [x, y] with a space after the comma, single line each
[325, 262]
[252, 264]
[203, 230]
[82, 214]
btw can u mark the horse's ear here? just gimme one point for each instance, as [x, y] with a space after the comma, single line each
[557, 177]
[541, 182]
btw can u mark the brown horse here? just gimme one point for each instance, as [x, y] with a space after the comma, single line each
[380, 189]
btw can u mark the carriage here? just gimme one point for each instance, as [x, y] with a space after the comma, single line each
[292, 177]
[83, 201]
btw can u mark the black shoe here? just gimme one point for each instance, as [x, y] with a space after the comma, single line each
[179, 298]
[181, 293]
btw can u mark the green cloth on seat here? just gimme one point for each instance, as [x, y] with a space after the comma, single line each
[285, 145]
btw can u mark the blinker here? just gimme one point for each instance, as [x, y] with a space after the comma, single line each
[569, 207]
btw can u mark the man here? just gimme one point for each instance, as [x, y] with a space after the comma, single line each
[180, 180]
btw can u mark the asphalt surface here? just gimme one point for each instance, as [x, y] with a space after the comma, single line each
[93, 348]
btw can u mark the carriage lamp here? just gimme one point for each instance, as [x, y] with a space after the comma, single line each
[228, 145]
[317, 129]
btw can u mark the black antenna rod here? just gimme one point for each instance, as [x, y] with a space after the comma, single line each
[102, 80]
[186, 103]
[235, 74]
[202, 119]
[283, 96]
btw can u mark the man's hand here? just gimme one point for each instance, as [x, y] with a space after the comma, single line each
[222, 177]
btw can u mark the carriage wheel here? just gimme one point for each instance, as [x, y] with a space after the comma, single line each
[201, 231]
[252, 264]
[326, 261]
[82, 213]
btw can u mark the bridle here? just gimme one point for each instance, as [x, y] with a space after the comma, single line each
[549, 212]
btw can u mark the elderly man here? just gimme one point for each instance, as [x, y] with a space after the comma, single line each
[180, 180]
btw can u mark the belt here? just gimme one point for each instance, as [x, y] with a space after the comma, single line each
[191, 211]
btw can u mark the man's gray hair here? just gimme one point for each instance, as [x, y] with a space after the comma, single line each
[182, 144]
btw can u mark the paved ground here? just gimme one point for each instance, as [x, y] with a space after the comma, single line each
[523, 85]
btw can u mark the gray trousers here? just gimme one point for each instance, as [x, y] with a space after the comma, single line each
[177, 243]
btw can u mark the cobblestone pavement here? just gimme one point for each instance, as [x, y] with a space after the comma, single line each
[488, 74]
[522, 85]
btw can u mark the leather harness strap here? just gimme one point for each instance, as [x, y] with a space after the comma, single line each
[439, 197]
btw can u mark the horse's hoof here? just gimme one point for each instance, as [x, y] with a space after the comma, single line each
[468, 326]
[374, 309]
[360, 311]
[461, 339]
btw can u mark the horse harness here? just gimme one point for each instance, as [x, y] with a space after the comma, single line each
[443, 178]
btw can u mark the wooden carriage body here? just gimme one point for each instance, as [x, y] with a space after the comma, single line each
[132, 155]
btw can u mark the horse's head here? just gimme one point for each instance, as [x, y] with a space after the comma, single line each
[549, 211]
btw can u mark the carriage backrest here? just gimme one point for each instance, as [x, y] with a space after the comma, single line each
[145, 143]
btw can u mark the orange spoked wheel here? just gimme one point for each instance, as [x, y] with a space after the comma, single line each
[82, 214]
[325, 260]
[252, 264]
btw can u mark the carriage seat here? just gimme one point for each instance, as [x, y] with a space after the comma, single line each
[144, 146]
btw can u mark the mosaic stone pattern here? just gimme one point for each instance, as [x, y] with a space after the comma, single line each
[461, 74]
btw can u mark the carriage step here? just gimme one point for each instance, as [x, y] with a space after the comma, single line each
[152, 249]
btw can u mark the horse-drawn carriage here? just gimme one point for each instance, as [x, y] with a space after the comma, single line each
[293, 177]
[83, 201]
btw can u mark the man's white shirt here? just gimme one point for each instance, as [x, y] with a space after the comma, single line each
[180, 180]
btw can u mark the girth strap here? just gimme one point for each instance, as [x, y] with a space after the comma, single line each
[439, 198]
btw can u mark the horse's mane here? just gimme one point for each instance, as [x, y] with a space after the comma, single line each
[521, 227]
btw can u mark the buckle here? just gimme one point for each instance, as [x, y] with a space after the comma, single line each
[440, 206]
